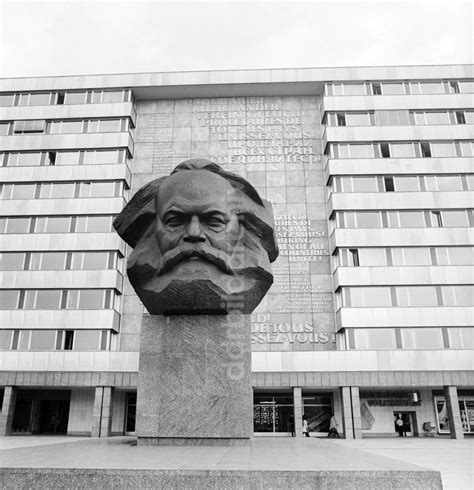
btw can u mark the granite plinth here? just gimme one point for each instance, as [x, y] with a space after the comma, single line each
[194, 380]
[330, 480]
[266, 463]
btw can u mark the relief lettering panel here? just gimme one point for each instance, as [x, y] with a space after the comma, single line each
[274, 142]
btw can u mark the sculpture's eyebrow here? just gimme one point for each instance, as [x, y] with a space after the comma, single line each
[193, 208]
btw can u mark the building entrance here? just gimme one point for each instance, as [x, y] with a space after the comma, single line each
[408, 428]
[41, 412]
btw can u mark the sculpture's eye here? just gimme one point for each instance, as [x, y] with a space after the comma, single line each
[215, 221]
[174, 221]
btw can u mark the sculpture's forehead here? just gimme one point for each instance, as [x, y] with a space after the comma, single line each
[194, 186]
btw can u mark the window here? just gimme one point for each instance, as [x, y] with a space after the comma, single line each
[53, 224]
[422, 338]
[28, 159]
[431, 88]
[432, 117]
[449, 183]
[460, 118]
[47, 261]
[5, 128]
[452, 88]
[411, 219]
[443, 150]
[356, 119]
[425, 149]
[46, 299]
[354, 89]
[7, 100]
[35, 99]
[466, 86]
[393, 88]
[95, 260]
[392, 118]
[369, 257]
[406, 184]
[388, 184]
[93, 224]
[104, 126]
[364, 184]
[57, 190]
[361, 151]
[67, 127]
[103, 157]
[5, 339]
[455, 219]
[87, 339]
[467, 148]
[369, 219]
[402, 150]
[31, 126]
[367, 297]
[9, 299]
[17, 225]
[42, 339]
[22, 191]
[11, 261]
[416, 296]
[385, 150]
[416, 256]
[68, 158]
[75, 97]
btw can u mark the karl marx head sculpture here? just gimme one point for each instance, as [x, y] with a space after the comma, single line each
[202, 242]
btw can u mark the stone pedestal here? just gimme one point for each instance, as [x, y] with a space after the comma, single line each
[194, 381]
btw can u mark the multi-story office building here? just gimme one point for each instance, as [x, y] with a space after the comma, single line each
[371, 176]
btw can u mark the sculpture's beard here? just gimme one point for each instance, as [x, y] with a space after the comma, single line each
[196, 278]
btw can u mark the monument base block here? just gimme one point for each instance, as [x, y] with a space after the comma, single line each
[194, 382]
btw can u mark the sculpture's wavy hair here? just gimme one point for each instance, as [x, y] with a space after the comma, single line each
[255, 214]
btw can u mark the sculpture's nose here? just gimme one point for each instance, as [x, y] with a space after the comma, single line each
[194, 231]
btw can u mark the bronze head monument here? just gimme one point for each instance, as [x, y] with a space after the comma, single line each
[202, 241]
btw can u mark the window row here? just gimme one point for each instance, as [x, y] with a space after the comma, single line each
[409, 149]
[69, 126]
[400, 87]
[56, 299]
[56, 190]
[405, 219]
[57, 261]
[404, 183]
[399, 118]
[69, 97]
[42, 158]
[57, 224]
[409, 338]
[88, 340]
[386, 296]
[405, 256]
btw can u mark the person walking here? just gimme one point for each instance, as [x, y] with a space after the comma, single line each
[305, 426]
[333, 427]
[291, 425]
[399, 425]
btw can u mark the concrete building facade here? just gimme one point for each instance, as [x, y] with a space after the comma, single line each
[370, 173]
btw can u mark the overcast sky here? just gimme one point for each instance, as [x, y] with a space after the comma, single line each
[82, 37]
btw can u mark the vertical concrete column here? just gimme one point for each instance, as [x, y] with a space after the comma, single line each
[356, 418]
[346, 403]
[8, 410]
[102, 414]
[454, 414]
[298, 411]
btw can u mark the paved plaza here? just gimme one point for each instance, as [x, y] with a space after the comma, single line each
[454, 459]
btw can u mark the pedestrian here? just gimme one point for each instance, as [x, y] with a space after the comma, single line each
[291, 425]
[333, 427]
[399, 425]
[305, 426]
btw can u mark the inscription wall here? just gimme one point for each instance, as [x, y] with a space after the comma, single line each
[274, 142]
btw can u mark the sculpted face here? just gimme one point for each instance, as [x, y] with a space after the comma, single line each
[203, 252]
